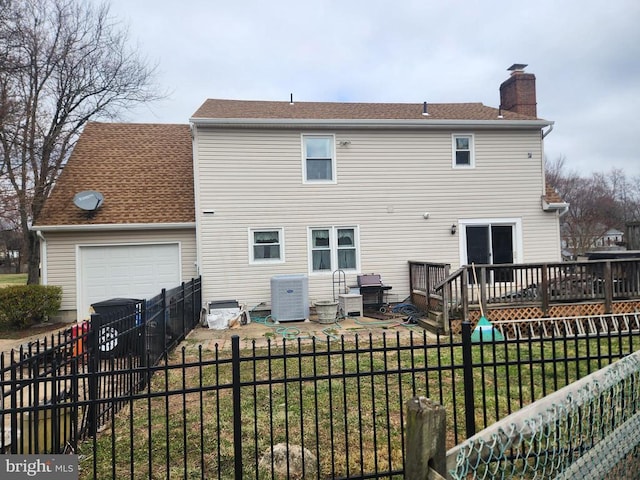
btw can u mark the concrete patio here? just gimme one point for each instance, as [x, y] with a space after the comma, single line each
[259, 333]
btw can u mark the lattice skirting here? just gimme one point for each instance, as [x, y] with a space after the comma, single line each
[527, 313]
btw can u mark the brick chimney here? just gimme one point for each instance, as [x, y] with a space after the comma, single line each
[518, 92]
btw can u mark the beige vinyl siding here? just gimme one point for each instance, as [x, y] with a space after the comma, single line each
[386, 181]
[61, 255]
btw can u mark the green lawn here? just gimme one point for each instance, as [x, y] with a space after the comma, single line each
[172, 434]
[7, 279]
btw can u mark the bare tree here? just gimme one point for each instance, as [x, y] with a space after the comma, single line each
[10, 236]
[554, 170]
[598, 203]
[66, 62]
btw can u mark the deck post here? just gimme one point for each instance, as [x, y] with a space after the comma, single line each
[464, 293]
[426, 279]
[543, 290]
[446, 301]
[411, 284]
[483, 288]
[427, 287]
[608, 288]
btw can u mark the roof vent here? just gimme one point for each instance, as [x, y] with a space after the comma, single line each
[424, 109]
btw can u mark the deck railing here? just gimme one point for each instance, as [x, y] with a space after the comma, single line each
[450, 295]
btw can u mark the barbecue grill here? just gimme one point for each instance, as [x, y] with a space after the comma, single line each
[372, 290]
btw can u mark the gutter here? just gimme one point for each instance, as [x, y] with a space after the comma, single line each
[113, 226]
[368, 123]
[560, 207]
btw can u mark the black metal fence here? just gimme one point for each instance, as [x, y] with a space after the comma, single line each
[50, 388]
[326, 408]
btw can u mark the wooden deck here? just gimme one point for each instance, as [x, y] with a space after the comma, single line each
[513, 292]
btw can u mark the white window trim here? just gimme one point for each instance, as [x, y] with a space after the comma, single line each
[517, 235]
[334, 170]
[472, 148]
[269, 261]
[333, 243]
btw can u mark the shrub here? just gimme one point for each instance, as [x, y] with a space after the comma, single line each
[23, 305]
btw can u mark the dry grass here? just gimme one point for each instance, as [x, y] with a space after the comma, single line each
[350, 421]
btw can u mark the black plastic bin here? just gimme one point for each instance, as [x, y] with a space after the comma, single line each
[120, 328]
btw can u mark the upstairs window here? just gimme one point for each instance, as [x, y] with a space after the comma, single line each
[266, 246]
[318, 159]
[333, 248]
[463, 156]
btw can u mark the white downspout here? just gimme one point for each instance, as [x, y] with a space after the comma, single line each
[43, 258]
[564, 210]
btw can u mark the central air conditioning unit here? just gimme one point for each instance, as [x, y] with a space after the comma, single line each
[289, 297]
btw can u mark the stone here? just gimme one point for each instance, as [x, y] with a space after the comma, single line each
[295, 471]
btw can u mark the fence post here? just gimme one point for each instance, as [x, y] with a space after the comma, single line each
[425, 439]
[464, 293]
[14, 401]
[467, 361]
[165, 319]
[75, 393]
[237, 410]
[184, 308]
[94, 362]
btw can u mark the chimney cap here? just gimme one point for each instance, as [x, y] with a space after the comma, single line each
[517, 67]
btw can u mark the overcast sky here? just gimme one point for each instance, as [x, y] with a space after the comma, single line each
[585, 55]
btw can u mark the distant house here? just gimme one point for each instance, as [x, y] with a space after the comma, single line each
[611, 238]
[253, 189]
[10, 242]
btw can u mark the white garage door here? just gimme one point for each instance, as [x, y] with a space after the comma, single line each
[126, 271]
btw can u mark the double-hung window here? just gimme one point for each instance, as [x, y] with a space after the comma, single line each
[333, 248]
[266, 245]
[463, 154]
[319, 159]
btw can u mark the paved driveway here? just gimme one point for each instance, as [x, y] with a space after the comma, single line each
[7, 344]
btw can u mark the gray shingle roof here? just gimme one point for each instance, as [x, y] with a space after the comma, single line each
[243, 109]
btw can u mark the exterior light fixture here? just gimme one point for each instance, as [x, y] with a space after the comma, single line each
[454, 228]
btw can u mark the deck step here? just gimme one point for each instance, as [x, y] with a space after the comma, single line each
[430, 324]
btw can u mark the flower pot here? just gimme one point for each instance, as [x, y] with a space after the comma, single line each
[327, 310]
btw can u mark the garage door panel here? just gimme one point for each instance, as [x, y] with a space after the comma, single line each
[129, 271]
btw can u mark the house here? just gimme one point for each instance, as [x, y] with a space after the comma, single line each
[611, 238]
[253, 189]
[142, 238]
